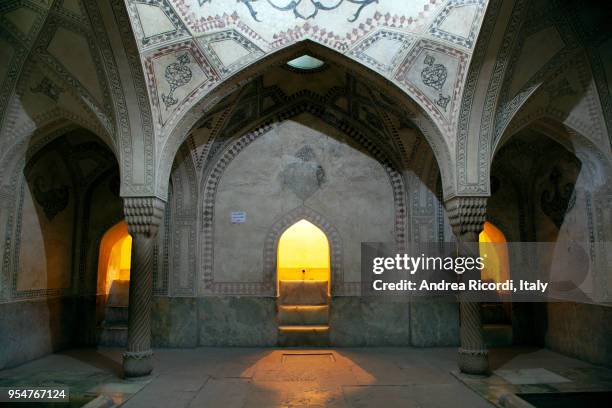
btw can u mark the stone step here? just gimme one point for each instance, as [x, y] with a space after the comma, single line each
[303, 315]
[302, 292]
[113, 335]
[116, 314]
[303, 335]
[497, 335]
[494, 313]
[119, 293]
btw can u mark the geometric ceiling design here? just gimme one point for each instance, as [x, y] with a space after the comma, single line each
[423, 46]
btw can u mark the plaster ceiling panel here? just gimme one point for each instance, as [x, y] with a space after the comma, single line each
[458, 22]
[433, 74]
[22, 18]
[178, 72]
[538, 49]
[278, 18]
[73, 51]
[229, 50]
[23, 22]
[41, 94]
[155, 22]
[45, 92]
[382, 50]
[73, 7]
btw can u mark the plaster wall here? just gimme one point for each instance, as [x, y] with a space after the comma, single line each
[580, 330]
[298, 163]
[46, 227]
[34, 328]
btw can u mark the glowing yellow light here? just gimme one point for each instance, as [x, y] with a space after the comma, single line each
[303, 253]
[495, 253]
[115, 257]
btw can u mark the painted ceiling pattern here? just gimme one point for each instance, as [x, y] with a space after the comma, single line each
[59, 65]
[190, 46]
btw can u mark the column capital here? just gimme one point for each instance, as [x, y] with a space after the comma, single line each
[143, 214]
[466, 215]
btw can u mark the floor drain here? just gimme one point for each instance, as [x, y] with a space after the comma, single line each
[309, 358]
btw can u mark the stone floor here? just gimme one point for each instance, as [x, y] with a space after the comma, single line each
[235, 377]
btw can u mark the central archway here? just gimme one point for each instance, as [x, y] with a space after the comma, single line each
[303, 254]
[303, 285]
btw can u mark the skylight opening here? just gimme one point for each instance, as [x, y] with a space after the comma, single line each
[305, 62]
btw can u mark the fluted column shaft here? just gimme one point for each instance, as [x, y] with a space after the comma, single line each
[467, 217]
[143, 216]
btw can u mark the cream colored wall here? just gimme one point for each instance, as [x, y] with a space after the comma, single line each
[46, 250]
[355, 197]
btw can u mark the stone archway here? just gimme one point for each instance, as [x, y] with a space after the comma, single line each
[333, 237]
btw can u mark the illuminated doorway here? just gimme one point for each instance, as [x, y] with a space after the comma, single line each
[303, 285]
[303, 253]
[113, 285]
[494, 250]
[115, 257]
[496, 316]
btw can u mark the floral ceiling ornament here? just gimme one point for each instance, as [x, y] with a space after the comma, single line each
[305, 9]
[433, 75]
[177, 74]
[47, 87]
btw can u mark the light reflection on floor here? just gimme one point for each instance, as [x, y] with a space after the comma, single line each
[270, 377]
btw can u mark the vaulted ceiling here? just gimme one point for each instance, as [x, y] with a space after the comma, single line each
[141, 73]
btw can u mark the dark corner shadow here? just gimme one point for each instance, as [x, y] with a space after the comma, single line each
[498, 357]
[96, 359]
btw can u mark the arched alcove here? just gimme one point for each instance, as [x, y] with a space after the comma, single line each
[114, 259]
[303, 254]
[494, 250]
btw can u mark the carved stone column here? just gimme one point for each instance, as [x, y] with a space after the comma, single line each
[143, 216]
[467, 217]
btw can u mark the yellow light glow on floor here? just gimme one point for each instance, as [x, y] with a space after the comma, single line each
[115, 257]
[495, 253]
[303, 253]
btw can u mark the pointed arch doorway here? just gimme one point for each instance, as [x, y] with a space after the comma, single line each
[114, 263]
[303, 285]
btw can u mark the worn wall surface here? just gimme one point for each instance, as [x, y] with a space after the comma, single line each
[299, 163]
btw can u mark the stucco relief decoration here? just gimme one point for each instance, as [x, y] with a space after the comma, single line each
[177, 74]
[558, 202]
[434, 75]
[305, 9]
[48, 88]
[303, 175]
[53, 199]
